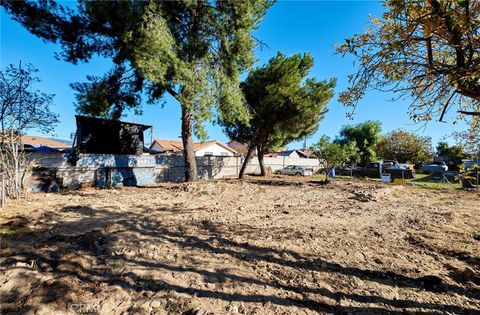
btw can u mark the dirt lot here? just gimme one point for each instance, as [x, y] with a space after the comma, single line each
[278, 246]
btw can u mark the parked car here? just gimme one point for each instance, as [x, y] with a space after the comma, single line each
[295, 170]
[375, 170]
[345, 170]
[434, 167]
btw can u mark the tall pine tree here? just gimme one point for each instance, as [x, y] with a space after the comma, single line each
[284, 104]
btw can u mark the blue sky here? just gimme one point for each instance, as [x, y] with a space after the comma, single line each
[289, 26]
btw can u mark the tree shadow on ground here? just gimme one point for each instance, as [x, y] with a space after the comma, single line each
[466, 257]
[52, 252]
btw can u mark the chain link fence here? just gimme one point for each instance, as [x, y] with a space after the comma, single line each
[2, 189]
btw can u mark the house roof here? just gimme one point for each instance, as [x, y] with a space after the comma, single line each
[36, 142]
[304, 153]
[176, 146]
[286, 152]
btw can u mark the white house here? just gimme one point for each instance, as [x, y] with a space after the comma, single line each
[209, 148]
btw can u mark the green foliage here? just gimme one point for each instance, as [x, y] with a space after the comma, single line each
[470, 139]
[365, 136]
[284, 104]
[455, 154]
[108, 96]
[404, 147]
[333, 154]
[200, 66]
[442, 148]
[470, 176]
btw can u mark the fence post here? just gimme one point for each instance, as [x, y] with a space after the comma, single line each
[238, 171]
[210, 168]
[108, 177]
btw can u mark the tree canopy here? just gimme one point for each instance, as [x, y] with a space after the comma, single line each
[404, 147]
[365, 135]
[284, 103]
[192, 50]
[470, 139]
[453, 154]
[22, 106]
[429, 50]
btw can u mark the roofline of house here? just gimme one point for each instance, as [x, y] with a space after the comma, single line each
[210, 142]
[226, 147]
[113, 120]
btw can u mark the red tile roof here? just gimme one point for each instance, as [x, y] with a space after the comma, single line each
[36, 142]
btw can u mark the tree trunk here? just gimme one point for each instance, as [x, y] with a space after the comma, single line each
[188, 151]
[260, 153]
[326, 175]
[247, 159]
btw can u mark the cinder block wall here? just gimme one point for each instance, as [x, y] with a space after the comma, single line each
[52, 171]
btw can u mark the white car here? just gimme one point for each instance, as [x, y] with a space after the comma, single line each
[295, 170]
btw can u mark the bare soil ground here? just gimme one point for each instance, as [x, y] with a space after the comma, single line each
[276, 246]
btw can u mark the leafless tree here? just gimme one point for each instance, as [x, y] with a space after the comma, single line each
[22, 108]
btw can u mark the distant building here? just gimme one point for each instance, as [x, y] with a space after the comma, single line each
[209, 148]
[106, 136]
[289, 154]
[300, 153]
[284, 153]
[41, 144]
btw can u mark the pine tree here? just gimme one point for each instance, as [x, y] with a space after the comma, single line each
[284, 104]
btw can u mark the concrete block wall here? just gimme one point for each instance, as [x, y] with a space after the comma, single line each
[52, 171]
